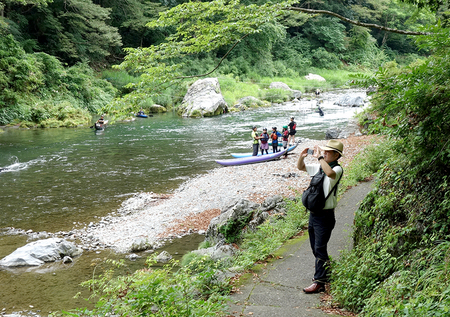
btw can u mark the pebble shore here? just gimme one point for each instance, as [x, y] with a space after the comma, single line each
[153, 218]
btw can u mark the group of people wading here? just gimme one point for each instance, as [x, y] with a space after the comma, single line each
[287, 137]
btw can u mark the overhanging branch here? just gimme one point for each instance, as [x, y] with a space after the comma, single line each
[367, 25]
[220, 62]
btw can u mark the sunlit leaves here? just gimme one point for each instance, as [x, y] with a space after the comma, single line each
[199, 27]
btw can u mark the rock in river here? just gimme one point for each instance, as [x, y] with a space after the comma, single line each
[203, 99]
[38, 252]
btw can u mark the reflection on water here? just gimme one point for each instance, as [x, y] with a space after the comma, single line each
[57, 179]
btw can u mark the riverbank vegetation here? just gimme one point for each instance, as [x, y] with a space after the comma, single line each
[400, 263]
[36, 90]
[55, 53]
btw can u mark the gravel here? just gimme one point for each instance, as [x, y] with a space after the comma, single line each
[152, 217]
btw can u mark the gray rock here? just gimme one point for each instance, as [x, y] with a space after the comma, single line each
[295, 94]
[222, 277]
[271, 202]
[157, 109]
[217, 252]
[38, 236]
[140, 244]
[203, 99]
[351, 129]
[132, 256]
[332, 133]
[311, 76]
[38, 252]
[258, 219]
[67, 259]
[163, 257]
[137, 202]
[232, 214]
[349, 100]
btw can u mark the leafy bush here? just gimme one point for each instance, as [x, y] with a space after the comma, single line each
[233, 90]
[36, 88]
[119, 79]
[422, 289]
[323, 59]
[402, 228]
[275, 95]
[157, 292]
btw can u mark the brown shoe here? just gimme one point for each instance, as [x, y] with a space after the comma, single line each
[314, 288]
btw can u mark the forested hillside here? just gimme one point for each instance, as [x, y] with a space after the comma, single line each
[86, 34]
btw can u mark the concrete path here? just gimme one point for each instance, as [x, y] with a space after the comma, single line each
[276, 289]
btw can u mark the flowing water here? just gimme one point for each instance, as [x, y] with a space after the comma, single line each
[59, 179]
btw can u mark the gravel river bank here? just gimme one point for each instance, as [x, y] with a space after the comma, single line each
[151, 218]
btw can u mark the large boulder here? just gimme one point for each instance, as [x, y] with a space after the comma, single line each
[349, 100]
[157, 109]
[352, 128]
[217, 252]
[231, 221]
[38, 252]
[203, 99]
[280, 85]
[163, 257]
[332, 133]
[311, 76]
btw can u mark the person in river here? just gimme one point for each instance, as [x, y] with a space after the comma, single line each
[275, 135]
[101, 120]
[319, 110]
[264, 142]
[321, 223]
[255, 139]
[292, 131]
[141, 112]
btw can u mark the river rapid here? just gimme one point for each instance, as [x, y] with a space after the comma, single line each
[60, 179]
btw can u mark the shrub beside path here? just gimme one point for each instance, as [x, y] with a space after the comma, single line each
[275, 288]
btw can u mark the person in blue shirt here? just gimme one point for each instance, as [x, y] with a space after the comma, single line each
[275, 136]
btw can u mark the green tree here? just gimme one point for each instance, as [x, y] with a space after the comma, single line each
[37, 89]
[73, 30]
[208, 26]
[130, 18]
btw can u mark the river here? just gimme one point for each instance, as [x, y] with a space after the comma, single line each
[59, 179]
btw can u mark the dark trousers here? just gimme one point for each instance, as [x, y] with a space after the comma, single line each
[320, 226]
[255, 149]
[274, 147]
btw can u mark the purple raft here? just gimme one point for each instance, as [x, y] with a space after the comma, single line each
[251, 159]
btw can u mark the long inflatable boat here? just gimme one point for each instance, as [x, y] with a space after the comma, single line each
[251, 159]
[238, 155]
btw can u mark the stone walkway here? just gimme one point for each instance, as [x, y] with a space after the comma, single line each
[276, 289]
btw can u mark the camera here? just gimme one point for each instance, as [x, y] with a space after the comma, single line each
[310, 151]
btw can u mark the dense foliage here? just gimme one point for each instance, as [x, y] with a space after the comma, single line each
[401, 260]
[249, 39]
[35, 89]
[264, 40]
